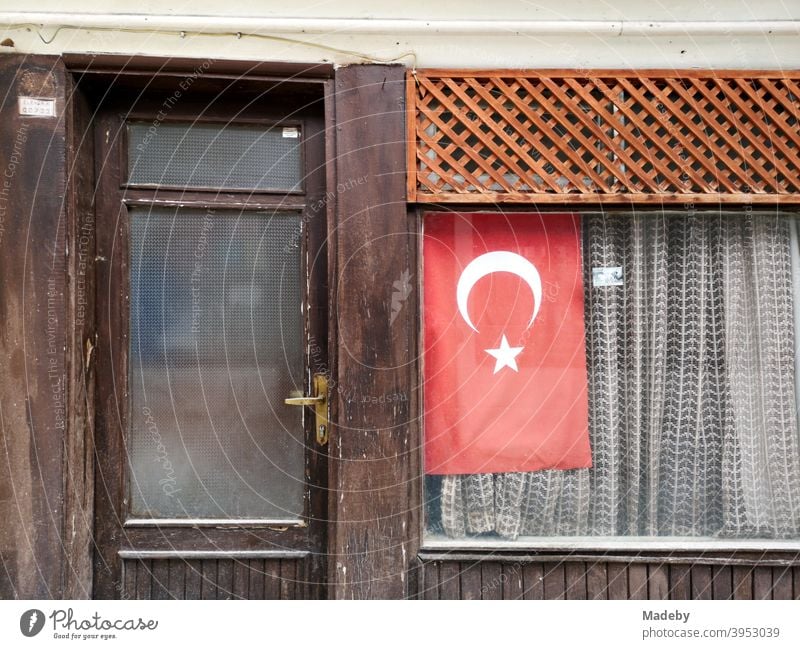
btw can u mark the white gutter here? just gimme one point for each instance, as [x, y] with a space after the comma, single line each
[395, 26]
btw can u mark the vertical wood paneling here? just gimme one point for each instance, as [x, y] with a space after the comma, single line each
[657, 581]
[617, 581]
[208, 586]
[144, 580]
[762, 582]
[577, 587]
[129, 580]
[781, 583]
[192, 579]
[555, 581]
[701, 582]
[431, 580]
[597, 580]
[491, 580]
[160, 587]
[214, 579]
[225, 579]
[449, 580]
[177, 577]
[605, 580]
[304, 578]
[288, 572]
[241, 579]
[680, 582]
[722, 582]
[533, 581]
[513, 582]
[257, 572]
[471, 581]
[742, 582]
[637, 581]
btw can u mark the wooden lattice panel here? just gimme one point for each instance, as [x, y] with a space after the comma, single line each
[653, 136]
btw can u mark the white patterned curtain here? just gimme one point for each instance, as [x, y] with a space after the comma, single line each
[693, 409]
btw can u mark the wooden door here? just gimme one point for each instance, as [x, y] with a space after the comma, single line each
[211, 310]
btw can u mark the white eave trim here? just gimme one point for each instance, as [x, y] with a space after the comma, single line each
[394, 26]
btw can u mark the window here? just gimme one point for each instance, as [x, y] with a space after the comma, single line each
[216, 155]
[691, 323]
[216, 342]
[216, 325]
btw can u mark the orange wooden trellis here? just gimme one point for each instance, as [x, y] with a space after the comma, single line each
[603, 136]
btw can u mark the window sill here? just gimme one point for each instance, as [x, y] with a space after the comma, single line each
[643, 544]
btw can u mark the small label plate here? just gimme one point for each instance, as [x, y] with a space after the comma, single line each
[37, 107]
[607, 276]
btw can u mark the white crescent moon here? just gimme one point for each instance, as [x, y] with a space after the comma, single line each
[497, 262]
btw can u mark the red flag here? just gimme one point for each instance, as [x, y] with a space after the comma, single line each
[505, 355]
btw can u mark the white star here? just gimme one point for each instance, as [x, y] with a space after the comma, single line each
[505, 355]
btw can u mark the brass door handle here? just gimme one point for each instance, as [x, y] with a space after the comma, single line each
[303, 401]
[320, 403]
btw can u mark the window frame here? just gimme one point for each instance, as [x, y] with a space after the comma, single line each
[634, 548]
[211, 119]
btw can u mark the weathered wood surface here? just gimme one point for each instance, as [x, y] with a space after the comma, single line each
[81, 338]
[374, 447]
[122, 548]
[605, 580]
[225, 578]
[33, 336]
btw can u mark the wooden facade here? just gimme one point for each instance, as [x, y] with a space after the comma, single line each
[36, 418]
[372, 543]
[597, 578]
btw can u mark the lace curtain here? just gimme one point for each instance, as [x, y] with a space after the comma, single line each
[693, 416]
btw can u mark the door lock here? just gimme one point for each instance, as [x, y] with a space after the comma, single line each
[319, 401]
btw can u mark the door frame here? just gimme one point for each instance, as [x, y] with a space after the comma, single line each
[375, 506]
[117, 543]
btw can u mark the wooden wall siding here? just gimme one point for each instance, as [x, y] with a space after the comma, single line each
[238, 578]
[488, 579]
[33, 335]
[374, 464]
[79, 458]
[650, 136]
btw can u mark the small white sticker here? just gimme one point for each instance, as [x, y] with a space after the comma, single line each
[607, 276]
[37, 107]
[291, 131]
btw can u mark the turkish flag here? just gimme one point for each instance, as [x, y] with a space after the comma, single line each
[505, 353]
